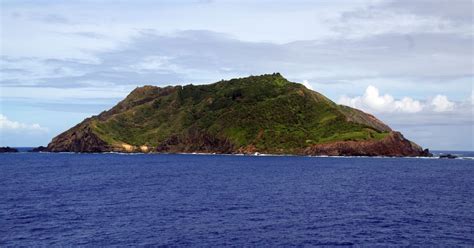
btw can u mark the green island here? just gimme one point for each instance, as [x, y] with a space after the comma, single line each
[256, 114]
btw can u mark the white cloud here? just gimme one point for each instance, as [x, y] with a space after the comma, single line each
[409, 105]
[307, 85]
[372, 101]
[9, 125]
[441, 103]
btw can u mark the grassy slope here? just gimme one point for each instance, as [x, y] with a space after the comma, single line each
[266, 111]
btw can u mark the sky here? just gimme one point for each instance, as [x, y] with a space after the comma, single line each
[408, 62]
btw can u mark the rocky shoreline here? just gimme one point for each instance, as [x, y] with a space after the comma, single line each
[427, 154]
[394, 145]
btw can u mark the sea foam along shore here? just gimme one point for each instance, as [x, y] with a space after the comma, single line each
[459, 156]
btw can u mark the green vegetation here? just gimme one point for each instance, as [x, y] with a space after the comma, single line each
[267, 111]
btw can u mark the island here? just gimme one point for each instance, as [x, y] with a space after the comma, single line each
[39, 149]
[264, 114]
[5, 149]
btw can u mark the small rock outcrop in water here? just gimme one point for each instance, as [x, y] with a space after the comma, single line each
[7, 149]
[448, 156]
[252, 115]
[39, 149]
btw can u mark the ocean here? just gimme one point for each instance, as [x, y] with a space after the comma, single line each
[218, 200]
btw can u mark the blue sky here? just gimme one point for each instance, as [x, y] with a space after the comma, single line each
[410, 63]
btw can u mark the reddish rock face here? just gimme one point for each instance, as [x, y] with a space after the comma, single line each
[250, 149]
[81, 139]
[393, 145]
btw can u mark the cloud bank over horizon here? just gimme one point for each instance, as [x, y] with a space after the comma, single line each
[9, 125]
[408, 62]
[372, 101]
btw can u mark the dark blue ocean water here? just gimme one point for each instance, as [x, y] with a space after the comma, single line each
[195, 200]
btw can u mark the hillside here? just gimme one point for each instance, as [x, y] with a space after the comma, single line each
[266, 114]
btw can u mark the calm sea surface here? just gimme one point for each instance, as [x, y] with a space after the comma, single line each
[196, 200]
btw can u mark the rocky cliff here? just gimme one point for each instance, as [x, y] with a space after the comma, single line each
[394, 144]
[265, 114]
